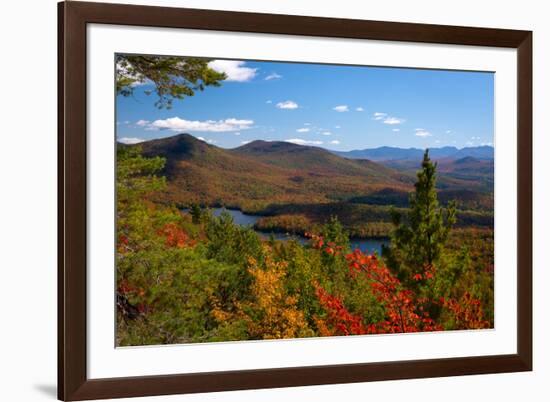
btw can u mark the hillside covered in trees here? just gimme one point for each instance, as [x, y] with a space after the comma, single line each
[186, 273]
[297, 188]
[192, 277]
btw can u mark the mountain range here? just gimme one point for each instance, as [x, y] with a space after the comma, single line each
[262, 173]
[484, 152]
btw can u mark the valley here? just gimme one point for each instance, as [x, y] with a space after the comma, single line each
[296, 188]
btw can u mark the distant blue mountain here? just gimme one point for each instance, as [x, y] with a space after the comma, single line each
[402, 154]
[484, 152]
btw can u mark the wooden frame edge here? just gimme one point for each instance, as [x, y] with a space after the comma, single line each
[291, 377]
[72, 380]
[525, 198]
[71, 201]
[60, 205]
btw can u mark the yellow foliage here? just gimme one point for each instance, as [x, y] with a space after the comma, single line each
[272, 314]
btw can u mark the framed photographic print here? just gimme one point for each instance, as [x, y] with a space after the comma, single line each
[253, 200]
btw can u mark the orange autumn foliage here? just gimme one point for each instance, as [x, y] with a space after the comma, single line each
[339, 321]
[403, 311]
[467, 312]
[175, 236]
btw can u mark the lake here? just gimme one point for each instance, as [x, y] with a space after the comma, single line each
[365, 245]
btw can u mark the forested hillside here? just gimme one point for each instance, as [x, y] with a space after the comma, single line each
[191, 277]
[296, 188]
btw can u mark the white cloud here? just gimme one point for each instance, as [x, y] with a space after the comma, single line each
[269, 101]
[177, 124]
[326, 133]
[335, 142]
[437, 141]
[469, 143]
[237, 133]
[475, 138]
[287, 105]
[210, 141]
[130, 140]
[336, 126]
[359, 109]
[246, 142]
[393, 120]
[273, 76]
[486, 144]
[235, 70]
[420, 132]
[142, 123]
[448, 132]
[387, 119]
[395, 129]
[307, 124]
[303, 130]
[300, 141]
[341, 108]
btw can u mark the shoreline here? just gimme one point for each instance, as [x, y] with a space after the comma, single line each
[281, 230]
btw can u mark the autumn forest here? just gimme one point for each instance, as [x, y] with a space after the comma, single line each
[333, 242]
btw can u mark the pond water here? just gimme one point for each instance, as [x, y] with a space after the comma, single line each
[365, 245]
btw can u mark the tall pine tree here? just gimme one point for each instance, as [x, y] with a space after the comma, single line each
[419, 237]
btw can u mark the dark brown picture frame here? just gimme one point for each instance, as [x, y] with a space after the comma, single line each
[73, 383]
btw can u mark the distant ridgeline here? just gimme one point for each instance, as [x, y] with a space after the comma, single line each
[484, 152]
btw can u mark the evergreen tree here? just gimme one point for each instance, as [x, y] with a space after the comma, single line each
[333, 232]
[419, 238]
[196, 213]
[136, 177]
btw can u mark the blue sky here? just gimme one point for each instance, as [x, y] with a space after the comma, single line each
[334, 107]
